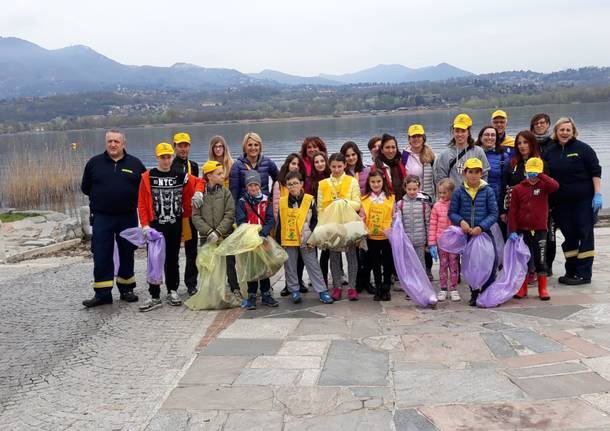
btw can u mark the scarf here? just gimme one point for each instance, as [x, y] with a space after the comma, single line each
[543, 137]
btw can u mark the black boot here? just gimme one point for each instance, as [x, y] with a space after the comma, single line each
[129, 296]
[386, 295]
[95, 301]
[285, 291]
[378, 294]
[474, 294]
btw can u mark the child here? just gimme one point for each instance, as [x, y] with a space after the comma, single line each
[474, 202]
[164, 200]
[414, 209]
[319, 172]
[340, 186]
[214, 217]
[297, 219]
[254, 207]
[527, 215]
[376, 211]
[439, 221]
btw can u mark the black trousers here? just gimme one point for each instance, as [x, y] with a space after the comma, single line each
[536, 242]
[380, 258]
[232, 273]
[106, 230]
[551, 243]
[324, 258]
[265, 285]
[172, 234]
[190, 251]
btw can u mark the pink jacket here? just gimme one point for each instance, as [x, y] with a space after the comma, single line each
[439, 221]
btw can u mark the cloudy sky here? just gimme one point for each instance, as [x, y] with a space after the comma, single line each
[314, 36]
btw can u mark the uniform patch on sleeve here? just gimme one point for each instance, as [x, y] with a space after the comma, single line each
[129, 171]
[572, 155]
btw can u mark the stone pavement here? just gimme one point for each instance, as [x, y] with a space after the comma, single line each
[527, 365]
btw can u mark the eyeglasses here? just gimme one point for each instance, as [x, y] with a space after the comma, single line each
[292, 185]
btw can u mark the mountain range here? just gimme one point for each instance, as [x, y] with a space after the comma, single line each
[27, 69]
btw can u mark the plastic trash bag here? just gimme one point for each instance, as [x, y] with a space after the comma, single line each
[155, 261]
[510, 278]
[453, 240]
[212, 292]
[244, 239]
[260, 263]
[498, 239]
[478, 260]
[339, 227]
[412, 275]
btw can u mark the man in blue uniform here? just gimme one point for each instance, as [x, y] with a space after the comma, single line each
[111, 180]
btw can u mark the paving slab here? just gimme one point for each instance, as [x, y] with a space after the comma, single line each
[214, 369]
[594, 313]
[260, 328]
[548, 370]
[577, 343]
[305, 348]
[362, 420]
[446, 347]
[555, 415]
[265, 376]
[499, 345]
[242, 347]
[287, 362]
[215, 397]
[301, 401]
[420, 387]
[597, 336]
[599, 365]
[173, 419]
[548, 312]
[323, 327]
[351, 364]
[538, 359]
[600, 401]
[286, 309]
[254, 421]
[533, 341]
[412, 420]
[566, 385]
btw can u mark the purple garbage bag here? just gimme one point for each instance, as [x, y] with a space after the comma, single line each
[510, 278]
[498, 239]
[412, 275]
[453, 240]
[478, 260]
[156, 251]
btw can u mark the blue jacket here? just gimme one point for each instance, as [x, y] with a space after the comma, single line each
[482, 211]
[497, 161]
[237, 178]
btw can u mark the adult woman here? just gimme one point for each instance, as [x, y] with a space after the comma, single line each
[374, 144]
[514, 172]
[389, 162]
[450, 163]
[355, 166]
[251, 159]
[540, 126]
[310, 146]
[219, 152]
[574, 165]
[497, 158]
[418, 159]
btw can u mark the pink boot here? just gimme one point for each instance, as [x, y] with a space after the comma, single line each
[352, 295]
[337, 291]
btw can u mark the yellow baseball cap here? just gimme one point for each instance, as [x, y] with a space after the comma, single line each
[473, 163]
[211, 166]
[416, 129]
[535, 165]
[462, 121]
[499, 113]
[182, 137]
[164, 148]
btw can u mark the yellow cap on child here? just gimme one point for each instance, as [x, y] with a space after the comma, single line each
[211, 166]
[416, 129]
[473, 163]
[164, 148]
[534, 165]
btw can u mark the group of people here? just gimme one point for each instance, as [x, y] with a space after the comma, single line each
[530, 185]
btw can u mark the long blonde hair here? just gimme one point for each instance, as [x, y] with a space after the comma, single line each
[227, 160]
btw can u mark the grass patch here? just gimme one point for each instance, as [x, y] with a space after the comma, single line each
[11, 217]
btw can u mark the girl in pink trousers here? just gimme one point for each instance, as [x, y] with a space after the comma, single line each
[439, 221]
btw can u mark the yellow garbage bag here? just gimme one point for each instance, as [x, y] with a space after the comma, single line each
[338, 228]
[245, 238]
[212, 293]
[260, 263]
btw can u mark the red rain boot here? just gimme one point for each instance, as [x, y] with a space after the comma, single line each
[523, 291]
[352, 295]
[336, 295]
[542, 292]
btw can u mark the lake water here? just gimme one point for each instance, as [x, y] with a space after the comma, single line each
[282, 138]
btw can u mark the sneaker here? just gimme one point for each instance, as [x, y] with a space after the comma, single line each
[173, 298]
[249, 303]
[151, 304]
[352, 295]
[442, 296]
[129, 297]
[455, 296]
[325, 298]
[336, 294]
[296, 297]
[574, 281]
[285, 291]
[268, 300]
[95, 301]
[191, 290]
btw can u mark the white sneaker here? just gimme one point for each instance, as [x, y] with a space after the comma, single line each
[151, 304]
[442, 295]
[173, 298]
[455, 296]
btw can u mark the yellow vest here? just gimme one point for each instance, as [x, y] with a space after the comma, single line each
[330, 193]
[378, 216]
[283, 191]
[292, 220]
